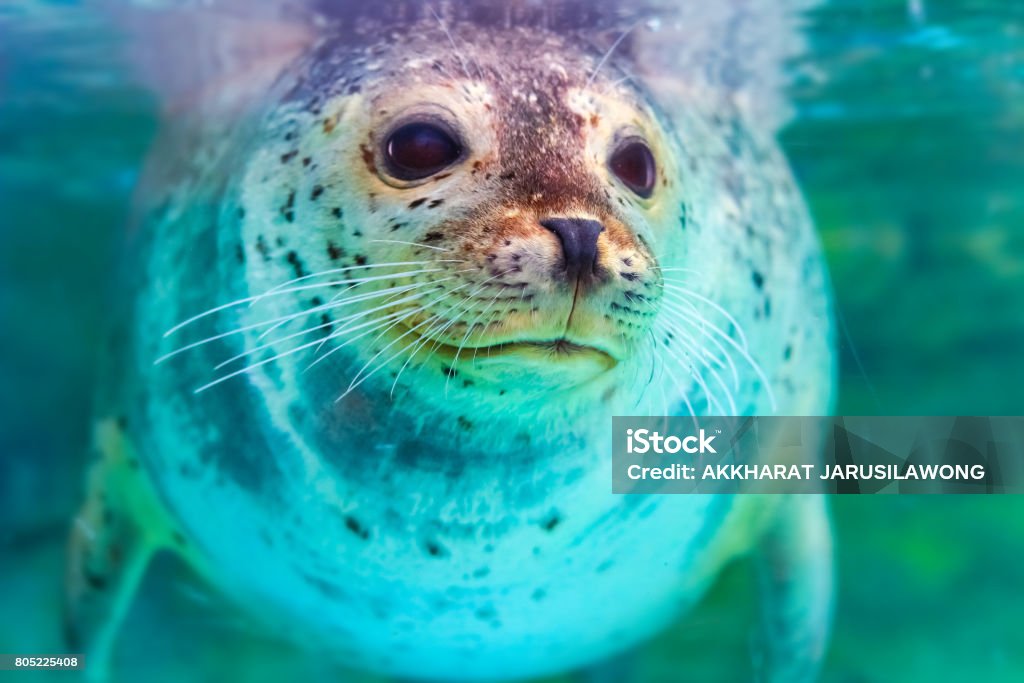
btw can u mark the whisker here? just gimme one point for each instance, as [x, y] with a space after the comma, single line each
[709, 302]
[732, 342]
[608, 54]
[253, 366]
[290, 290]
[418, 244]
[427, 307]
[387, 322]
[695, 353]
[682, 391]
[676, 270]
[678, 331]
[391, 302]
[301, 333]
[451, 40]
[278, 321]
[356, 381]
[346, 269]
[426, 337]
[334, 303]
[687, 363]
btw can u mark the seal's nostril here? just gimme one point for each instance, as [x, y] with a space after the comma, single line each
[579, 243]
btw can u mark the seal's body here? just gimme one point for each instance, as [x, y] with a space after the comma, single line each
[440, 256]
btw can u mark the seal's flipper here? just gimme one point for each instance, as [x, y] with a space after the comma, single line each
[795, 572]
[112, 541]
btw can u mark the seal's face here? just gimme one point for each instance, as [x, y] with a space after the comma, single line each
[546, 188]
[529, 188]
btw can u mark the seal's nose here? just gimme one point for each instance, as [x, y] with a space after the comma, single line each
[579, 244]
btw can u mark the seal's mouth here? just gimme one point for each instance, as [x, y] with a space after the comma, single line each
[556, 350]
[559, 350]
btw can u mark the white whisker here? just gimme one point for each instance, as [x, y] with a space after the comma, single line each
[276, 322]
[290, 290]
[709, 302]
[744, 353]
[418, 244]
[301, 333]
[608, 54]
[332, 271]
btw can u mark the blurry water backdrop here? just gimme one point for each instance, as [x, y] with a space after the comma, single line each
[909, 144]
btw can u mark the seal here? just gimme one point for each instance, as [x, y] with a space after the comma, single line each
[388, 295]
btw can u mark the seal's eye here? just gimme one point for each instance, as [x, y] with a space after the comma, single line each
[419, 149]
[632, 162]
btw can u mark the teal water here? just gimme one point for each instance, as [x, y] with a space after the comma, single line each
[909, 144]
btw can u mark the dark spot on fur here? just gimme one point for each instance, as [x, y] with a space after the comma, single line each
[317, 191]
[334, 252]
[787, 353]
[465, 424]
[435, 549]
[758, 279]
[487, 613]
[450, 372]
[296, 264]
[356, 527]
[433, 236]
[285, 158]
[436, 203]
[288, 210]
[262, 248]
[538, 595]
[417, 202]
[360, 260]
[336, 212]
[551, 522]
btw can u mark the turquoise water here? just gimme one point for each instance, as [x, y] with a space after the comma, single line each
[909, 144]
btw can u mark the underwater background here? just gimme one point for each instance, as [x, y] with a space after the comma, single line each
[909, 145]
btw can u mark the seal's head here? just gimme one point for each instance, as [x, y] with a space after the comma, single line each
[493, 212]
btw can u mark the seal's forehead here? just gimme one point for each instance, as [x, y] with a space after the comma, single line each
[532, 78]
[514, 62]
